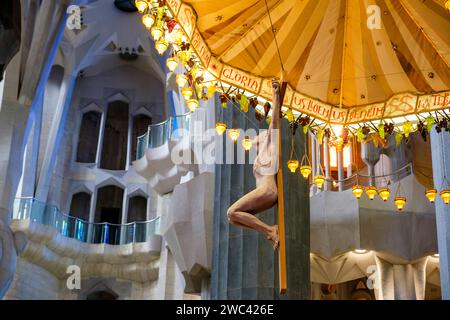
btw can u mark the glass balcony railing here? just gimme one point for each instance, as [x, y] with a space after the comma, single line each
[158, 134]
[79, 229]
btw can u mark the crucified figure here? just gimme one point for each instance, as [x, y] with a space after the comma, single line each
[243, 212]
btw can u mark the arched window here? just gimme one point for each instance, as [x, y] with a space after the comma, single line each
[137, 209]
[115, 139]
[108, 209]
[88, 137]
[140, 127]
[79, 208]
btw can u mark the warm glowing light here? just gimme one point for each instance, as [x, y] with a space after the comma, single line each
[305, 171]
[234, 134]
[447, 5]
[357, 191]
[292, 165]
[157, 33]
[187, 92]
[148, 20]
[360, 251]
[161, 46]
[247, 143]
[333, 156]
[431, 195]
[371, 192]
[337, 129]
[445, 195]
[400, 202]
[220, 128]
[192, 104]
[141, 5]
[319, 180]
[172, 64]
[182, 80]
[384, 193]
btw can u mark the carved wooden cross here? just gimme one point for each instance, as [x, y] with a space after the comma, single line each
[281, 230]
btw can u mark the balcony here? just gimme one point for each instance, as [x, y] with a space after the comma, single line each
[89, 232]
[154, 151]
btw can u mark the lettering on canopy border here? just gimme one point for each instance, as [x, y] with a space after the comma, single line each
[187, 19]
[311, 107]
[371, 112]
[174, 6]
[400, 105]
[433, 102]
[240, 79]
[338, 115]
[200, 47]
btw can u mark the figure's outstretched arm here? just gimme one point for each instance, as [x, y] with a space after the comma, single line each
[277, 103]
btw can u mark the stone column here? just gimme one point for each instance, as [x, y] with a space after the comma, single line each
[440, 152]
[370, 155]
[326, 160]
[244, 265]
[340, 163]
[55, 136]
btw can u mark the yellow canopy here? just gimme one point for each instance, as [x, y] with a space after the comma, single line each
[394, 60]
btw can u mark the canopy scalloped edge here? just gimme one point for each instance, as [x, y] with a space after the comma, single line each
[397, 106]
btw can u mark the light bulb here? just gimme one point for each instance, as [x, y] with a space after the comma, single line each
[192, 104]
[292, 165]
[319, 180]
[305, 171]
[157, 33]
[384, 193]
[221, 128]
[148, 20]
[357, 191]
[247, 143]
[181, 80]
[445, 195]
[172, 64]
[187, 92]
[371, 192]
[161, 46]
[431, 195]
[400, 202]
[234, 134]
[141, 5]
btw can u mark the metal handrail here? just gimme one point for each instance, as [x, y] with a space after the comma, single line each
[147, 136]
[60, 219]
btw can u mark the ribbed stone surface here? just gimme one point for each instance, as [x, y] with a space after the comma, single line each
[244, 265]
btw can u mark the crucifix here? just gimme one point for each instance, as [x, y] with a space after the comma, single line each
[269, 186]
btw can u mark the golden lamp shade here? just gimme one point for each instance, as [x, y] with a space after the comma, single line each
[192, 104]
[220, 128]
[431, 195]
[400, 203]
[181, 80]
[187, 92]
[141, 5]
[292, 165]
[305, 171]
[172, 64]
[247, 143]
[357, 191]
[371, 192]
[445, 195]
[148, 20]
[234, 134]
[161, 46]
[157, 33]
[384, 193]
[319, 180]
